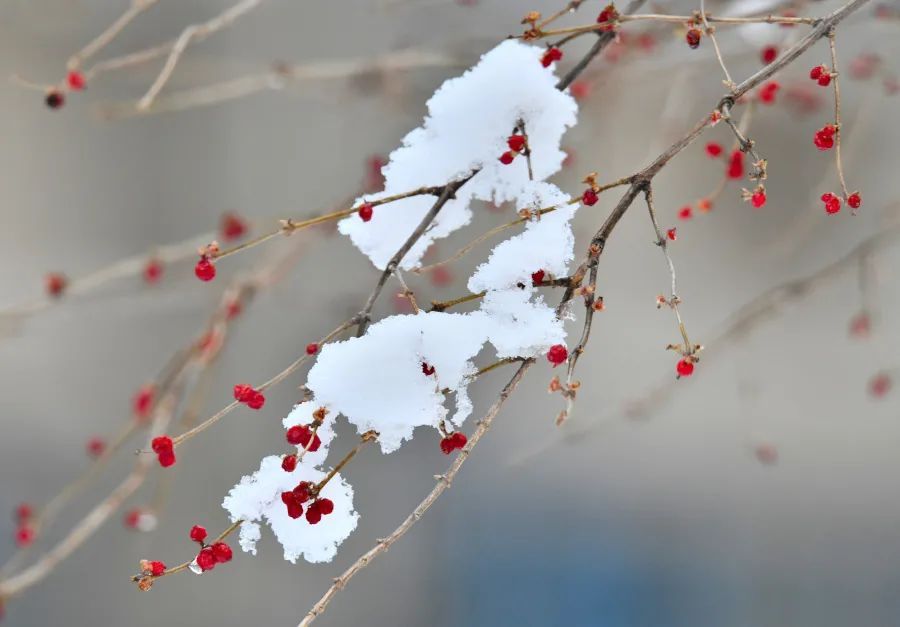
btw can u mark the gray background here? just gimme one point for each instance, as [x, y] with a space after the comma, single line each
[608, 521]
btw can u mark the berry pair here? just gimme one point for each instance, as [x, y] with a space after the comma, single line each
[249, 396]
[209, 556]
[517, 144]
[453, 441]
[302, 435]
[164, 449]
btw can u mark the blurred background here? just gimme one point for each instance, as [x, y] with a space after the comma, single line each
[761, 491]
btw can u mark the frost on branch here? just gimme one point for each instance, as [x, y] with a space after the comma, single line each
[405, 371]
[469, 119]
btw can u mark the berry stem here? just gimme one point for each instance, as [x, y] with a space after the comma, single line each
[837, 114]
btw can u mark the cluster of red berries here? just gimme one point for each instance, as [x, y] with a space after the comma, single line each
[209, 555]
[303, 436]
[25, 532]
[249, 396]
[832, 202]
[824, 137]
[295, 499]
[692, 37]
[684, 368]
[821, 75]
[453, 441]
[165, 450]
[517, 145]
[366, 211]
[55, 283]
[551, 55]
[607, 17]
[768, 91]
[557, 354]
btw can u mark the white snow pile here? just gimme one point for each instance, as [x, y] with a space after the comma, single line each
[469, 119]
[382, 381]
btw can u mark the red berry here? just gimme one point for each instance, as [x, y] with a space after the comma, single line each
[551, 55]
[854, 200]
[693, 38]
[55, 100]
[153, 271]
[672, 234]
[427, 370]
[233, 309]
[537, 277]
[557, 354]
[300, 493]
[685, 368]
[55, 284]
[589, 197]
[758, 199]
[516, 143]
[736, 165]
[294, 510]
[143, 401]
[817, 72]
[860, 325]
[205, 270]
[257, 401]
[157, 568]
[243, 392]
[132, 518]
[825, 79]
[206, 559]
[713, 149]
[832, 203]
[880, 385]
[365, 211]
[313, 513]
[312, 349]
[685, 213]
[299, 435]
[507, 157]
[289, 463]
[580, 90]
[767, 92]
[768, 54]
[161, 443]
[222, 552]
[232, 227]
[24, 535]
[96, 446]
[326, 506]
[198, 533]
[166, 458]
[24, 511]
[75, 80]
[608, 14]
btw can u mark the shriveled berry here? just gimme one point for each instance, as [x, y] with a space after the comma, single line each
[366, 211]
[427, 369]
[507, 157]
[289, 463]
[206, 559]
[693, 38]
[222, 552]
[557, 354]
[55, 100]
[589, 197]
[205, 269]
[198, 533]
[685, 368]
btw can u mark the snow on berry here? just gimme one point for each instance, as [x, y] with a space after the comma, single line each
[258, 497]
[507, 85]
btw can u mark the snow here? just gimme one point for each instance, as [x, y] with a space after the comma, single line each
[468, 121]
